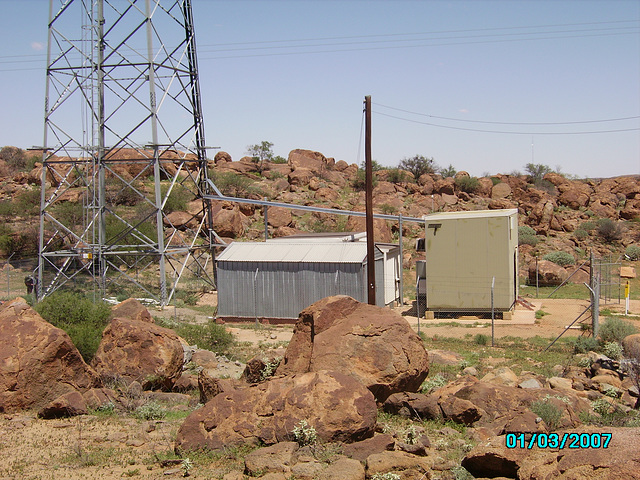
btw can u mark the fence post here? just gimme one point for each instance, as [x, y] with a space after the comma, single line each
[595, 305]
[493, 316]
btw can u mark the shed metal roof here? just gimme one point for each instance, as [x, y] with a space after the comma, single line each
[470, 214]
[330, 252]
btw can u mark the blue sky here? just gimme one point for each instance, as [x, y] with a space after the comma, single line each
[456, 75]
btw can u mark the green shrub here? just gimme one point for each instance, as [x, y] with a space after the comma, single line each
[526, 230]
[7, 208]
[527, 236]
[278, 159]
[548, 412]
[532, 240]
[560, 258]
[580, 234]
[359, 183]
[615, 329]
[29, 202]
[387, 209]
[178, 198]
[467, 184]
[234, 185]
[481, 339]
[633, 252]
[395, 175]
[588, 226]
[585, 344]
[83, 320]
[210, 336]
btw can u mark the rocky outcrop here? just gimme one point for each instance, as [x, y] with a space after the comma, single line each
[373, 344]
[337, 406]
[134, 350]
[38, 362]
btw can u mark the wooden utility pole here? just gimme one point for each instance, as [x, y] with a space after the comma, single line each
[371, 265]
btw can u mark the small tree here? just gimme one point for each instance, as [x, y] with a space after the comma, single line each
[260, 153]
[536, 171]
[418, 165]
[449, 171]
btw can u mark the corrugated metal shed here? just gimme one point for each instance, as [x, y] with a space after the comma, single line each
[276, 280]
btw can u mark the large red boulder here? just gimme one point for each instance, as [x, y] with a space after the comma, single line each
[338, 407]
[135, 350]
[38, 362]
[373, 344]
[548, 273]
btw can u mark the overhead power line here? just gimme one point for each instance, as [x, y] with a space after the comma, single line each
[431, 124]
[306, 46]
[579, 122]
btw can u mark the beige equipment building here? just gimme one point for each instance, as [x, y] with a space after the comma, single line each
[469, 255]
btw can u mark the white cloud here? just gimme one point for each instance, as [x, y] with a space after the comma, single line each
[463, 110]
[37, 46]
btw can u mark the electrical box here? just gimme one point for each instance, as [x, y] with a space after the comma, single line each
[470, 258]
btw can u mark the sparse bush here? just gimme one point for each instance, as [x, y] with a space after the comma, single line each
[432, 383]
[612, 350]
[178, 198]
[615, 329]
[601, 406]
[528, 240]
[233, 184]
[304, 434]
[270, 368]
[386, 476]
[481, 339]
[633, 252]
[609, 230]
[150, 411]
[527, 236]
[7, 208]
[526, 230]
[467, 184]
[560, 258]
[548, 412]
[278, 159]
[211, 336]
[15, 157]
[585, 344]
[580, 234]
[82, 319]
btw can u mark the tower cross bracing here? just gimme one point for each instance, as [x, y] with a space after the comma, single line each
[124, 177]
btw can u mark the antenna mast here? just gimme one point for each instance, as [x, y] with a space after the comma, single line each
[124, 138]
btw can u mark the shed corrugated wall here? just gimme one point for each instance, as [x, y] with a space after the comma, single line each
[283, 289]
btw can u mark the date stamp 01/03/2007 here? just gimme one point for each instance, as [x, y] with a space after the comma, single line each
[558, 440]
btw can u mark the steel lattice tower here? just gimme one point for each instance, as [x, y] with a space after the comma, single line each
[123, 137]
